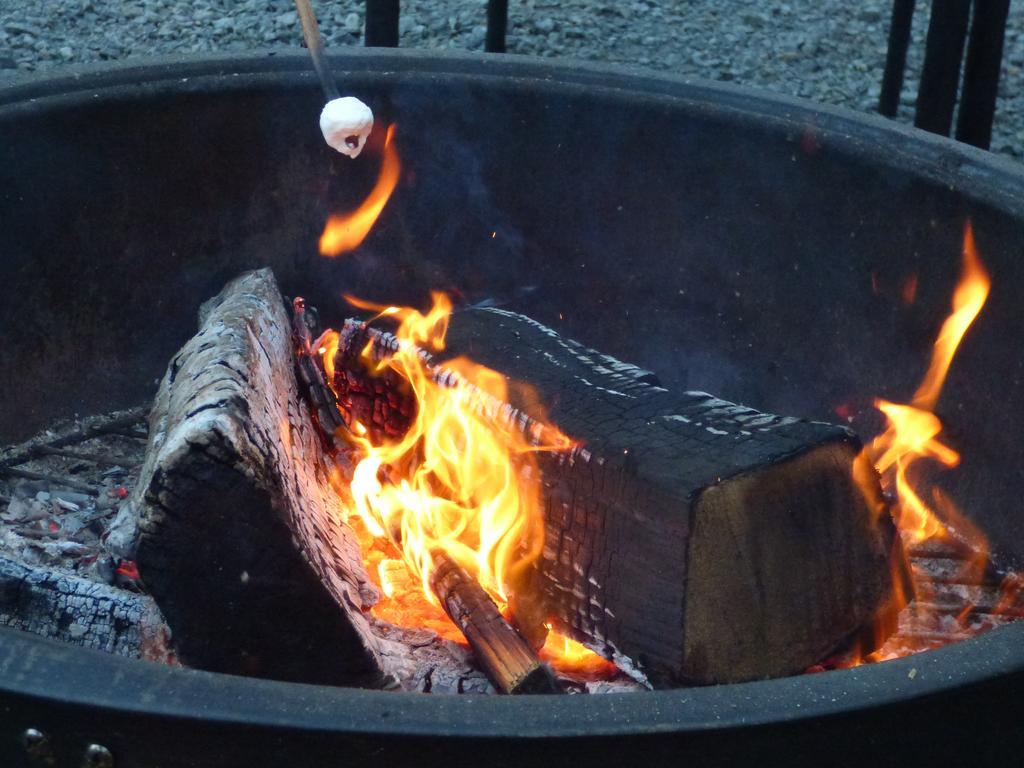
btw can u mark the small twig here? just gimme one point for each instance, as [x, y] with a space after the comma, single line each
[94, 429]
[315, 44]
[101, 461]
[63, 481]
[126, 433]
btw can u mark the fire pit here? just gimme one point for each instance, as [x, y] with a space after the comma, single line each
[746, 245]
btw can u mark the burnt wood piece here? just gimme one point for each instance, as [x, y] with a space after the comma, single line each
[506, 658]
[63, 606]
[241, 541]
[688, 539]
[325, 413]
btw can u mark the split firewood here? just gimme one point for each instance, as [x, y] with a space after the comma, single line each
[242, 542]
[689, 539]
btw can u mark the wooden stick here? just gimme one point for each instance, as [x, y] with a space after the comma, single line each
[56, 480]
[311, 377]
[103, 426]
[315, 44]
[101, 461]
[506, 658]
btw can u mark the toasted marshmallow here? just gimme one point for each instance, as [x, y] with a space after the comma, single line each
[345, 124]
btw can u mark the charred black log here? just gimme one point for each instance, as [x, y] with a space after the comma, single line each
[242, 543]
[690, 539]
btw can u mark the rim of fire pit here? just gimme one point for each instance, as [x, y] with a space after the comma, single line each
[979, 175]
[89, 694]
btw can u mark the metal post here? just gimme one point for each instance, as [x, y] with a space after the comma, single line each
[497, 25]
[981, 73]
[936, 98]
[381, 23]
[896, 57]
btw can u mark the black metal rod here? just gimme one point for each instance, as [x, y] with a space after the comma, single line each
[381, 23]
[944, 49]
[981, 73]
[315, 44]
[896, 57]
[497, 26]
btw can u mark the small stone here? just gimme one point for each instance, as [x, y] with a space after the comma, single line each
[286, 19]
[353, 23]
[18, 28]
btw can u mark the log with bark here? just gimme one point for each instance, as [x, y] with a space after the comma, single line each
[242, 542]
[689, 539]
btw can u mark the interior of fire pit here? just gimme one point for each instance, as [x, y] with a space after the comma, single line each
[729, 244]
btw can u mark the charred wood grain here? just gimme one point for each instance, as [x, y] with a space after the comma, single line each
[689, 539]
[63, 606]
[241, 539]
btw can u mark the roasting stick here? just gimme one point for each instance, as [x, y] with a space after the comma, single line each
[345, 121]
[508, 660]
[315, 44]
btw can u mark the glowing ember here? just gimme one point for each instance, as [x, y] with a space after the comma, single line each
[345, 232]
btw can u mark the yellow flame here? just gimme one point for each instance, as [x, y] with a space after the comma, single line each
[568, 656]
[457, 481]
[912, 430]
[345, 232]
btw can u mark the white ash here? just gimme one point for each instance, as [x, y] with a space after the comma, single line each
[346, 123]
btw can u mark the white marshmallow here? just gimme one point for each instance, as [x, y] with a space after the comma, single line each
[345, 124]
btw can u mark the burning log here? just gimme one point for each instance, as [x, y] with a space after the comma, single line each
[506, 658]
[241, 540]
[690, 539]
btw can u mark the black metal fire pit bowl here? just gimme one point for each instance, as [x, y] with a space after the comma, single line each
[746, 244]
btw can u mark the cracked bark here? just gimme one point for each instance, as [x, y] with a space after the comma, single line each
[241, 541]
[690, 539]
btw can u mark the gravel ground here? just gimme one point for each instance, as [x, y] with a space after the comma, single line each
[831, 51]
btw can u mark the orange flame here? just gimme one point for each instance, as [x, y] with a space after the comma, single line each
[568, 656]
[345, 232]
[457, 481]
[912, 429]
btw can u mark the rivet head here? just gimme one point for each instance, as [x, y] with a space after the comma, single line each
[97, 756]
[37, 746]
